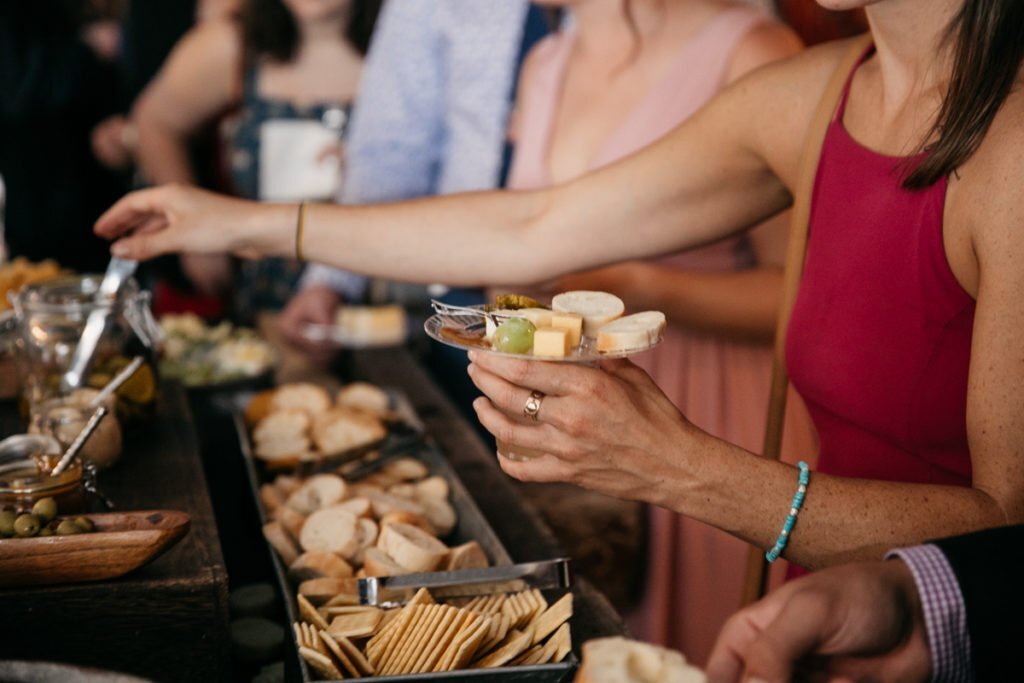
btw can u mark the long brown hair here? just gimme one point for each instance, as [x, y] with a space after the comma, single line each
[270, 29]
[988, 48]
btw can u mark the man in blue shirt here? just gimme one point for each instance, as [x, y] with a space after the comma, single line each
[431, 118]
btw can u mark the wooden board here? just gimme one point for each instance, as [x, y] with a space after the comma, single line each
[121, 543]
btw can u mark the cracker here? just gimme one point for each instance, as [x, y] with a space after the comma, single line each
[339, 654]
[338, 610]
[429, 615]
[380, 644]
[429, 654]
[357, 657]
[321, 663]
[309, 613]
[406, 629]
[358, 625]
[462, 617]
[535, 655]
[472, 622]
[553, 617]
[422, 597]
[343, 599]
[503, 624]
[514, 645]
[561, 642]
[467, 651]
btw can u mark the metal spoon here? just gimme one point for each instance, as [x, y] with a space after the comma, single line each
[79, 441]
[117, 273]
[115, 384]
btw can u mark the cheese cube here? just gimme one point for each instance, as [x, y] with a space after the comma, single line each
[572, 323]
[540, 317]
[552, 342]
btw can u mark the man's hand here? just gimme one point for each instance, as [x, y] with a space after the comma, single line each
[311, 305]
[856, 622]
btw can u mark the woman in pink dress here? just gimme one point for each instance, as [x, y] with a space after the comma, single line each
[598, 92]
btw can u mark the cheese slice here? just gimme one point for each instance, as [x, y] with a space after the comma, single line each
[632, 333]
[597, 308]
[551, 342]
[572, 323]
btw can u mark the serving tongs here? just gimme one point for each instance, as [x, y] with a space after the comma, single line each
[392, 591]
[118, 272]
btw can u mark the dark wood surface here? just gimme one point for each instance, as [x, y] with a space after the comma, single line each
[166, 621]
[520, 528]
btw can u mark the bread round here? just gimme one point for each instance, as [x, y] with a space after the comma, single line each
[332, 530]
[411, 547]
[405, 517]
[435, 488]
[282, 425]
[404, 469]
[317, 564]
[376, 562]
[358, 506]
[281, 542]
[619, 660]
[304, 396]
[365, 397]
[291, 520]
[631, 333]
[441, 515]
[319, 491]
[596, 308]
[384, 503]
[466, 556]
[340, 430]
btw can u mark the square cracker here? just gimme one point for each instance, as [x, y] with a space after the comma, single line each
[339, 655]
[356, 625]
[553, 617]
[378, 649]
[357, 657]
[468, 648]
[469, 627]
[322, 664]
[421, 622]
[514, 645]
[309, 613]
[428, 655]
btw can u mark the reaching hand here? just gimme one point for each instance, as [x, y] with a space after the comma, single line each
[860, 622]
[176, 218]
[311, 305]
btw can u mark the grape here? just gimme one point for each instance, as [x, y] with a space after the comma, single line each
[515, 335]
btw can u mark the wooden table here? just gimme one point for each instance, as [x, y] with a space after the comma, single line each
[521, 530]
[167, 620]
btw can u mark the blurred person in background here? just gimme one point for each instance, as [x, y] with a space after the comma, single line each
[431, 118]
[57, 81]
[623, 75]
[286, 73]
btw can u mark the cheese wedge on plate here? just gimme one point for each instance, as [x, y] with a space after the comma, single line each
[633, 332]
[596, 308]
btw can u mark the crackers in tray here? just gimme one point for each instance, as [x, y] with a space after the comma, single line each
[301, 422]
[423, 636]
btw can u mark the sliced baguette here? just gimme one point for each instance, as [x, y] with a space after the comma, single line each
[376, 562]
[412, 548]
[618, 660]
[365, 397]
[333, 530]
[631, 333]
[317, 564]
[596, 308]
[303, 396]
[319, 491]
[466, 556]
[281, 542]
[340, 430]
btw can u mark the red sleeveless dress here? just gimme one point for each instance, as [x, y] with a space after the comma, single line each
[880, 339]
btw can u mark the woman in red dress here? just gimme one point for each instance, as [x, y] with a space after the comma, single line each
[905, 342]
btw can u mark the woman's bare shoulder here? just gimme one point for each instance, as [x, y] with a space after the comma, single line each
[211, 50]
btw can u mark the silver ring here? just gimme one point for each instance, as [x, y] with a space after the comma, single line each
[532, 406]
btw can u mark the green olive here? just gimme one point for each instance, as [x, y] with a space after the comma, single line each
[45, 509]
[68, 528]
[7, 518]
[45, 531]
[26, 525]
[85, 524]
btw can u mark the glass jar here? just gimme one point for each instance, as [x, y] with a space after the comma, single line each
[64, 418]
[50, 317]
[21, 489]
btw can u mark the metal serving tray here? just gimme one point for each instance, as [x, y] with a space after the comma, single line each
[472, 525]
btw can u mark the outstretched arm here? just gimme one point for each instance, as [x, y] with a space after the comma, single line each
[720, 172]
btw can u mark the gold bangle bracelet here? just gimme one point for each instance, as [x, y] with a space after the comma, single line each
[299, 229]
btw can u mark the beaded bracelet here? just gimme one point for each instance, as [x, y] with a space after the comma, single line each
[794, 510]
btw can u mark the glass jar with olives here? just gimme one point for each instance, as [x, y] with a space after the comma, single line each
[64, 418]
[22, 489]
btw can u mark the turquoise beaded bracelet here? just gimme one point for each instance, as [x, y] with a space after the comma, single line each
[794, 510]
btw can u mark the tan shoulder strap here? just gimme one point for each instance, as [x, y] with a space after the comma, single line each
[754, 584]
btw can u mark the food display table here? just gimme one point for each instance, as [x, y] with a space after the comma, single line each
[522, 532]
[165, 621]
